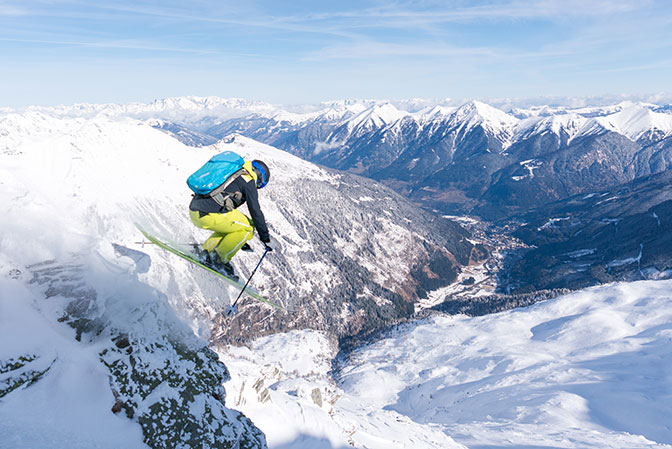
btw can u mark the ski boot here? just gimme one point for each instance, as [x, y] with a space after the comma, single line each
[202, 255]
[225, 268]
[211, 260]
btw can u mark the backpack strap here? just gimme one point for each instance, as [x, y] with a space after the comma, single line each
[218, 193]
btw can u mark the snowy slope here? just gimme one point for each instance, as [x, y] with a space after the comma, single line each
[367, 121]
[586, 370]
[284, 381]
[70, 407]
[570, 126]
[477, 113]
[638, 122]
[71, 189]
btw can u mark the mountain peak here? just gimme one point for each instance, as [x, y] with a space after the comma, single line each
[436, 111]
[376, 116]
[387, 111]
[637, 119]
[571, 124]
[476, 113]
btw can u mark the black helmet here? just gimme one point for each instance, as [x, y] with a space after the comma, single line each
[263, 173]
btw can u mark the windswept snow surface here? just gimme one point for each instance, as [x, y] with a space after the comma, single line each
[283, 383]
[586, 370]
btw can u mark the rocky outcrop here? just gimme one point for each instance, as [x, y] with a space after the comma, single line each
[163, 378]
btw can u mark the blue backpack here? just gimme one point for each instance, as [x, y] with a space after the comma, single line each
[216, 175]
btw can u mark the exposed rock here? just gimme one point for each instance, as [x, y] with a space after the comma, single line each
[170, 384]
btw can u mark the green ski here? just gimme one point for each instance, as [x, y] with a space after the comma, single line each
[249, 291]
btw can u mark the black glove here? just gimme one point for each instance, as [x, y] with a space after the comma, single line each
[271, 245]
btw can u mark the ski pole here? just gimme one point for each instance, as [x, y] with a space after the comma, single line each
[232, 309]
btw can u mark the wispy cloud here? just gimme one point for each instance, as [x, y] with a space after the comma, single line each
[408, 14]
[663, 64]
[365, 50]
[295, 24]
[114, 45]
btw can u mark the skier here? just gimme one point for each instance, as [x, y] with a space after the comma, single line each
[231, 228]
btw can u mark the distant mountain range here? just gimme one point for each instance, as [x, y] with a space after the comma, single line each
[468, 159]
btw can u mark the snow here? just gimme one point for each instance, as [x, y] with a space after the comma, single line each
[71, 190]
[551, 223]
[572, 125]
[70, 407]
[476, 113]
[375, 117]
[431, 113]
[276, 381]
[580, 253]
[481, 111]
[530, 165]
[186, 109]
[585, 370]
[635, 120]
[340, 112]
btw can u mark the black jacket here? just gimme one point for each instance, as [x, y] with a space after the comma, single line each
[207, 205]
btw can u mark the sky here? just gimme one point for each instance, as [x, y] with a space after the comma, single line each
[300, 51]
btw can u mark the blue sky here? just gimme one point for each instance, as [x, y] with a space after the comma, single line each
[290, 52]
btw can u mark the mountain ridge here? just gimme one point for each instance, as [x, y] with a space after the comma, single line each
[462, 150]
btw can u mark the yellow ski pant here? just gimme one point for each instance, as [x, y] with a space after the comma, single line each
[230, 231]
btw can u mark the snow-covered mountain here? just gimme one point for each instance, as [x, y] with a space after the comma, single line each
[324, 220]
[567, 126]
[190, 110]
[376, 117]
[96, 351]
[641, 123]
[439, 155]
